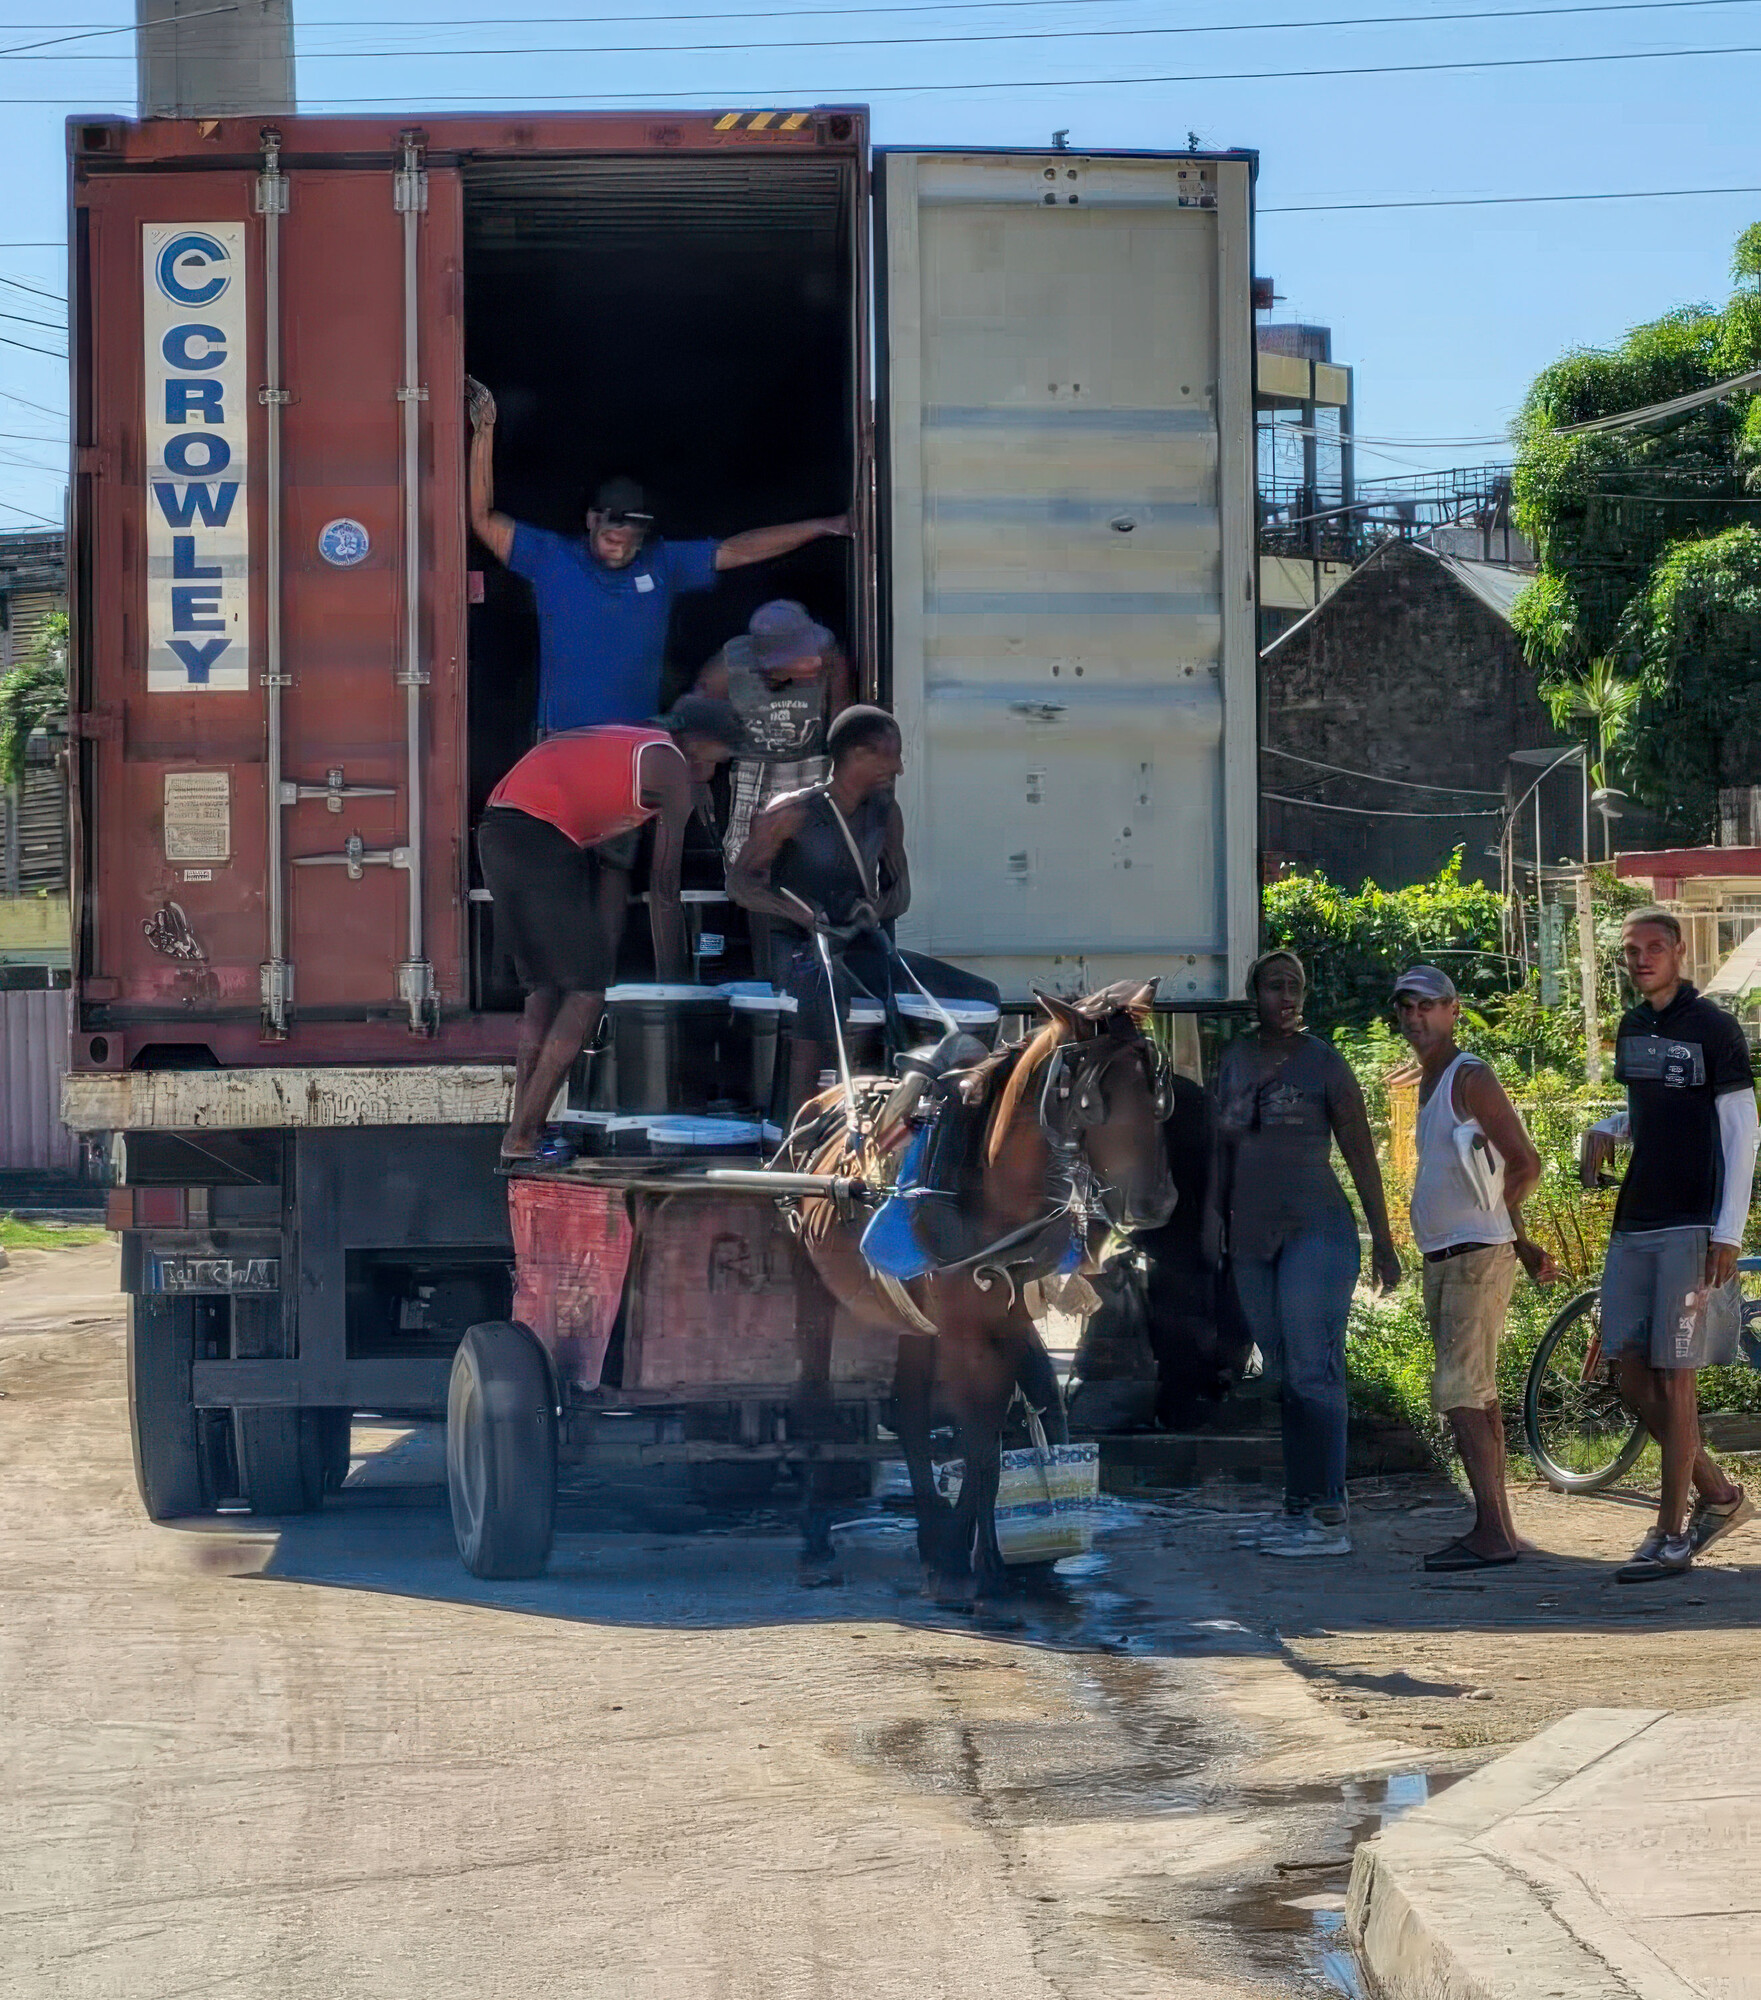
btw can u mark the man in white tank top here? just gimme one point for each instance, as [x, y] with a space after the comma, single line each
[1475, 1165]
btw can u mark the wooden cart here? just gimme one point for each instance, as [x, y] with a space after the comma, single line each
[660, 1316]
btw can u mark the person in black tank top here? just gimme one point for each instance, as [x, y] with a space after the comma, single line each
[831, 859]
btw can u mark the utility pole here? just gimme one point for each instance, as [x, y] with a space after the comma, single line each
[213, 58]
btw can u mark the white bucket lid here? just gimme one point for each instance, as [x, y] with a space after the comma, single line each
[754, 997]
[867, 1014]
[570, 1116]
[963, 1013]
[676, 1131]
[633, 996]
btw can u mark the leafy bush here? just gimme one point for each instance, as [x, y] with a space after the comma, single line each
[33, 696]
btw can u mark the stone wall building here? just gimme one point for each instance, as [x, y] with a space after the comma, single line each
[1408, 676]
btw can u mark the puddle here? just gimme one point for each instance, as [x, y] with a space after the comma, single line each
[1296, 1922]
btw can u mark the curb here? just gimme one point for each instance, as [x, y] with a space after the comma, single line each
[1438, 1916]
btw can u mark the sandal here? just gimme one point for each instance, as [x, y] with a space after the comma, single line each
[1458, 1556]
[1658, 1556]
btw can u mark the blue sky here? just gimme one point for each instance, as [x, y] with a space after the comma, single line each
[1445, 313]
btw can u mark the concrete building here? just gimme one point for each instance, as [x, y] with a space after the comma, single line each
[1302, 412]
[1389, 715]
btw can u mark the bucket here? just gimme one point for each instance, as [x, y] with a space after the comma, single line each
[973, 1017]
[1047, 1497]
[749, 1047]
[662, 1048]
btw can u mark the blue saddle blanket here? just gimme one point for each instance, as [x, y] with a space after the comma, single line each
[890, 1244]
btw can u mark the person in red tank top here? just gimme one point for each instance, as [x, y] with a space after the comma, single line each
[556, 843]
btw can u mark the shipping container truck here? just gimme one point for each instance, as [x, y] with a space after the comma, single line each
[1029, 378]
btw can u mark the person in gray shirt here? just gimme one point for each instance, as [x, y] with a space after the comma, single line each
[1284, 1096]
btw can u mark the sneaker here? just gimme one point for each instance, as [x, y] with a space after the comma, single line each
[1710, 1521]
[1269, 1527]
[1658, 1556]
[1302, 1535]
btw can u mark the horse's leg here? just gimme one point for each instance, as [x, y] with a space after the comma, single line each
[914, 1383]
[812, 1418]
[979, 1357]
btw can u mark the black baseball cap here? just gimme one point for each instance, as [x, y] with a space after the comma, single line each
[706, 715]
[622, 499]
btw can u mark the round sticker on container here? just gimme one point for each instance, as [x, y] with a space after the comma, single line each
[343, 543]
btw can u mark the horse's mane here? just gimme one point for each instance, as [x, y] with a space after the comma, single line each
[1027, 1056]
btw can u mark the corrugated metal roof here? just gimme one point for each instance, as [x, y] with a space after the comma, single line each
[1496, 586]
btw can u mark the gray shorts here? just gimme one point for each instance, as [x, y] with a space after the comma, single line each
[1654, 1300]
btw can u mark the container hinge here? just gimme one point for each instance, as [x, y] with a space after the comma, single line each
[416, 989]
[356, 857]
[333, 791]
[271, 196]
[418, 679]
[277, 681]
[276, 396]
[412, 395]
[275, 984]
[410, 193]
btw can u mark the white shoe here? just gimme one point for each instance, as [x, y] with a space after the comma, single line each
[1302, 1535]
[1269, 1527]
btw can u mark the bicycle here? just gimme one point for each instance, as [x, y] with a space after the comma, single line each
[1581, 1432]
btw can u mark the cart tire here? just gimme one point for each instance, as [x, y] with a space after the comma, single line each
[335, 1429]
[162, 1420]
[280, 1460]
[1581, 1434]
[501, 1452]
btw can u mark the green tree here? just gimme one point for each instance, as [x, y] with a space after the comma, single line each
[33, 696]
[1637, 624]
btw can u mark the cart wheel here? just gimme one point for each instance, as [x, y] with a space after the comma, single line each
[501, 1452]
[280, 1463]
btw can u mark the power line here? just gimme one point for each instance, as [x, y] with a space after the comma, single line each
[1411, 784]
[12, 507]
[796, 91]
[45, 325]
[60, 298]
[1376, 812]
[42, 409]
[128, 28]
[54, 354]
[1499, 200]
[425, 53]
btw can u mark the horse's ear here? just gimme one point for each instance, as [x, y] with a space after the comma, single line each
[1143, 999]
[1061, 1011]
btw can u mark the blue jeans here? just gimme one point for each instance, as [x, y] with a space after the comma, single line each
[1297, 1303]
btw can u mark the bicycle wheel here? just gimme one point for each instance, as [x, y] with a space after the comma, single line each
[1581, 1433]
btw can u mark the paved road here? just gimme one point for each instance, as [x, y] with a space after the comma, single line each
[238, 1761]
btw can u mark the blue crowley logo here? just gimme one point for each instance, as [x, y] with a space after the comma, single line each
[343, 543]
[186, 269]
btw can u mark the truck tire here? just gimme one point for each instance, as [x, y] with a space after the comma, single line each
[162, 1419]
[280, 1461]
[501, 1452]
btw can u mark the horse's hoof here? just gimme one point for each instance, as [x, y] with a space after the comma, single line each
[816, 1573]
[950, 1593]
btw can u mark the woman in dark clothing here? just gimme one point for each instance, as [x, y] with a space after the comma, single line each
[1284, 1096]
[831, 860]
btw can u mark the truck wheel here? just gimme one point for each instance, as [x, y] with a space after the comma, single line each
[161, 1411]
[501, 1452]
[280, 1466]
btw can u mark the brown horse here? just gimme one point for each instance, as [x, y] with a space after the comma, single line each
[1071, 1145]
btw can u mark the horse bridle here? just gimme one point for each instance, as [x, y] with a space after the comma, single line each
[1073, 1100]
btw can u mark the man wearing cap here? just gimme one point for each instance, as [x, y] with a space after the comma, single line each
[788, 680]
[605, 598]
[557, 842]
[1475, 1165]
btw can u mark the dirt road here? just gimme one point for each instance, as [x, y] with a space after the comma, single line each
[315, 1758]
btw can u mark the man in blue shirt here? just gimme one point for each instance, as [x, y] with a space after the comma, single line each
[604, 598]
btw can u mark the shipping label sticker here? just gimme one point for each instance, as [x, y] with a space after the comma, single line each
[197, 475]
[198, 816]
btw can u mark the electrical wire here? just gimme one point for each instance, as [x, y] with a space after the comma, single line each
[92, 34]
[53, 353]
[12, 507]
[308, 54]
[60, 298]
[1653, 412]
[792, 92]
[42, 325]
[1378, 812]
[1375, 778]
[1497, 200]
[42, 409]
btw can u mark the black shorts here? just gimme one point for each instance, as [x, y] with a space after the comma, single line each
[550, 901]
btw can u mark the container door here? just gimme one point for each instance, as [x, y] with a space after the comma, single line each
[184, 495]
[1067, 404]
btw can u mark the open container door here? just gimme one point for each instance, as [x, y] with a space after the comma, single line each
[1067, 383]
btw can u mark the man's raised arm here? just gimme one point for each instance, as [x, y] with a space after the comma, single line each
[765, 544]
[495, 531]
